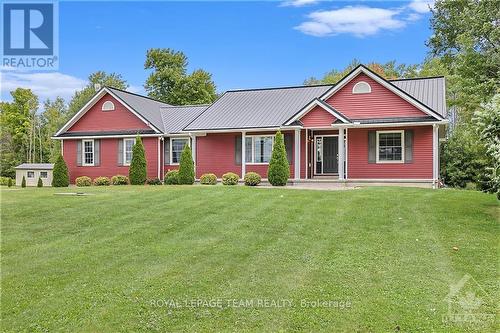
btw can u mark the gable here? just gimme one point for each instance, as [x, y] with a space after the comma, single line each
[317, 117]
[379, 103]
[97, 120]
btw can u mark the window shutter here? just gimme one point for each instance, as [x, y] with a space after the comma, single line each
[120, 152]
[372, 146]
[166, 151]
[237, 150]
[79, 153]
[409, 146]
[97, 152]
[288, 137]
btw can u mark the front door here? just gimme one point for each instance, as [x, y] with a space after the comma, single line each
[326, 155]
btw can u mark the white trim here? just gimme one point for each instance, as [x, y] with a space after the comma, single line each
[83, 152]
[346, 153]
[384, 83]
[159, 160]
[233, 130]
[125, 150]
[341, 157]
[27, 174]
[243, 154]
[273, 136]
[172, 147]
[310, 106]
[307, 155]
[402, 132]
[426, 123]
[315, 173]
[297, 154]
[105, 136]
[359, 84]
[435, 156]
[62, 147]
[108, 106]
[193, 150]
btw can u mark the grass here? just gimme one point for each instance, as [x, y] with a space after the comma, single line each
[119, 259]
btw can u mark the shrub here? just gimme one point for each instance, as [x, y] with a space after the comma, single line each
[252, 179]
[83, 181]
[23, 182]
[9, 182]
[60, 174]
[119, 180]
[137, 171]
[208, 179]
[230, 178]
[40, 182]
[279, 170]
[172, 177]
[102, 181]
[153, 181]
[186, 167]
[4, 181]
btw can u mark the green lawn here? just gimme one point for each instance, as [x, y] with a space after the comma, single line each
[118, 260]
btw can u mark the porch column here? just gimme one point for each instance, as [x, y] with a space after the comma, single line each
[307, 154]
[193, 150]
[341, 153]
[435, 155]
[297, 154]
[243, 157]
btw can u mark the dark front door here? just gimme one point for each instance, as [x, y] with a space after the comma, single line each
[330, 151]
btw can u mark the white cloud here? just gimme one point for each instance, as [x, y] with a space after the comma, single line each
[299, 3]
[359, 21]
[422, 6]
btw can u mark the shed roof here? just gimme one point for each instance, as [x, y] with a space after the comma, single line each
[35, 166]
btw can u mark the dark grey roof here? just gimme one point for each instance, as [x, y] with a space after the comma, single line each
[429, 91]
[104, 133]
[175, 118]
[393, 120]
[145, 106]
[256, 108]
[35, 166]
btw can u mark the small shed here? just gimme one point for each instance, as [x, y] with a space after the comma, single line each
[33, 171]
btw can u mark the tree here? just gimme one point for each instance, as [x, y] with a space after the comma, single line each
[23, 182]
[279, 170]
[137, 172]
[60, 176]
[186, 167]
[52, 118]
[97, 79]
[170, 83]
[40, 182]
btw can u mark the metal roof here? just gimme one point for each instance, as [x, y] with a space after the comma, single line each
[430, 91]
[35, 166]
[175, 118]
[256, 108]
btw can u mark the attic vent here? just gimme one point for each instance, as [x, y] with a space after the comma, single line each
[361, 88]
[108, 106]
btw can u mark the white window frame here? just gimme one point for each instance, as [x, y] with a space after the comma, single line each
[28, 174]
[252, 137]
[46, 174]
[402, 132]
[172, 146]
[125, 150]
[83, 152]
[108, 106]
[361, 83]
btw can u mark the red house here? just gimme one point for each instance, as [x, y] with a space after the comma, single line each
[363, 129]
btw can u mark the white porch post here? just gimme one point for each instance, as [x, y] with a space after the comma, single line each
[159, 157]
[193, 149]
[435, 155]
[307, 154]
[341, 153]
[243, 157]
[297, 154]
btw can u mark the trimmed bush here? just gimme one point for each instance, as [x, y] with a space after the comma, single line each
[119, 180]
[230, 178]
[4, 181]
[23, 182]
[279, 170]
[40, 182]
[137, 172]
[153, 181]
[186, 167]
[60, 174]
[9, 182]
[252, 179]
[102, 181]
[208, 179]
[83, 181]
[172, 177]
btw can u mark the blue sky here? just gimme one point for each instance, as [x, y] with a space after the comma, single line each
[243, 44]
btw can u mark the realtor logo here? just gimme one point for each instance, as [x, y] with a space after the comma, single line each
[30, 35]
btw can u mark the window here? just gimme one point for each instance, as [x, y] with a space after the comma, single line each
[258, 149]
[108, 106]
[88, 152]
[31, 174]
[128, 145]
[43, 174]
[361, 88]
[177, 145]
[390, 146]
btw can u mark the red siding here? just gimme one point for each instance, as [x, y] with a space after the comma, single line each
[318, 117]
[97, 120]
[109, 159]
[380, 103]
[359, 168]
